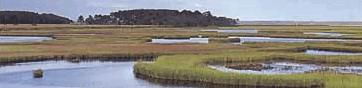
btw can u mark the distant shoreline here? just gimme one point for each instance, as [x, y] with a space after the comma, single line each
[325, 23]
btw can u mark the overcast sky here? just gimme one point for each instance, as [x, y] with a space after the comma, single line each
[245, 10]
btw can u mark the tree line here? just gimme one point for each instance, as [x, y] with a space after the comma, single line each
[159, 17]
[25, 17]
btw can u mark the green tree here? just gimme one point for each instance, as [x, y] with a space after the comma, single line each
[89, 20]
[14, 19]
[81, 19]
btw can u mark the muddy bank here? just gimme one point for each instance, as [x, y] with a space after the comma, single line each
[354, 44]
[198, 83]
[294, 50]
[248, 66]
[102, 57]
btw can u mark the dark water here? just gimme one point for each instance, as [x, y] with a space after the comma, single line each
[191, 40]
[329, 34]
[62, 74]
[268, 39]
[319, 52]
[5, 39]
[233, 30]
[290, 68]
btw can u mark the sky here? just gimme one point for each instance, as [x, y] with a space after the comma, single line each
[245, 10]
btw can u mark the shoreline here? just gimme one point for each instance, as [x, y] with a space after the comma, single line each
[104, 57]
[138, 71]
[215, 85]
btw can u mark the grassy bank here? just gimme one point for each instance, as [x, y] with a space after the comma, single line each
[191, 67]
[179, 69]
[106, 57]
[323, 47]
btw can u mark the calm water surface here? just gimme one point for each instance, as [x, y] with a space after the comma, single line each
[5, 39]
[285, 68]
[191, 40]
[289, 68]
[62, 74]
[268, 39]
[328, 34]
[233, 30]
[319, 52]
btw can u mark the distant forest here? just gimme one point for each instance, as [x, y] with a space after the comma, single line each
[25, 17]
[159, 17]
[126, 17]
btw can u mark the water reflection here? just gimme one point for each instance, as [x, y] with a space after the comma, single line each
[298, 40]
[4, 39]
[62, 74]
[233, 30]
[329, 34]
[190, 40]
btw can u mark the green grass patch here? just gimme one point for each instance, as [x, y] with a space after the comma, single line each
[191, 67]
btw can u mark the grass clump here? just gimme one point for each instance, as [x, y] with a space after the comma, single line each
[186, 68]
[193, 67]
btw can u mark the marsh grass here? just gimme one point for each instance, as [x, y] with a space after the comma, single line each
[224, 40]
[189, 67]
[182, 69]
[188, 61]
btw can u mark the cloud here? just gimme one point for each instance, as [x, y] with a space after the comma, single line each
[198, 5]
[105, 4]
